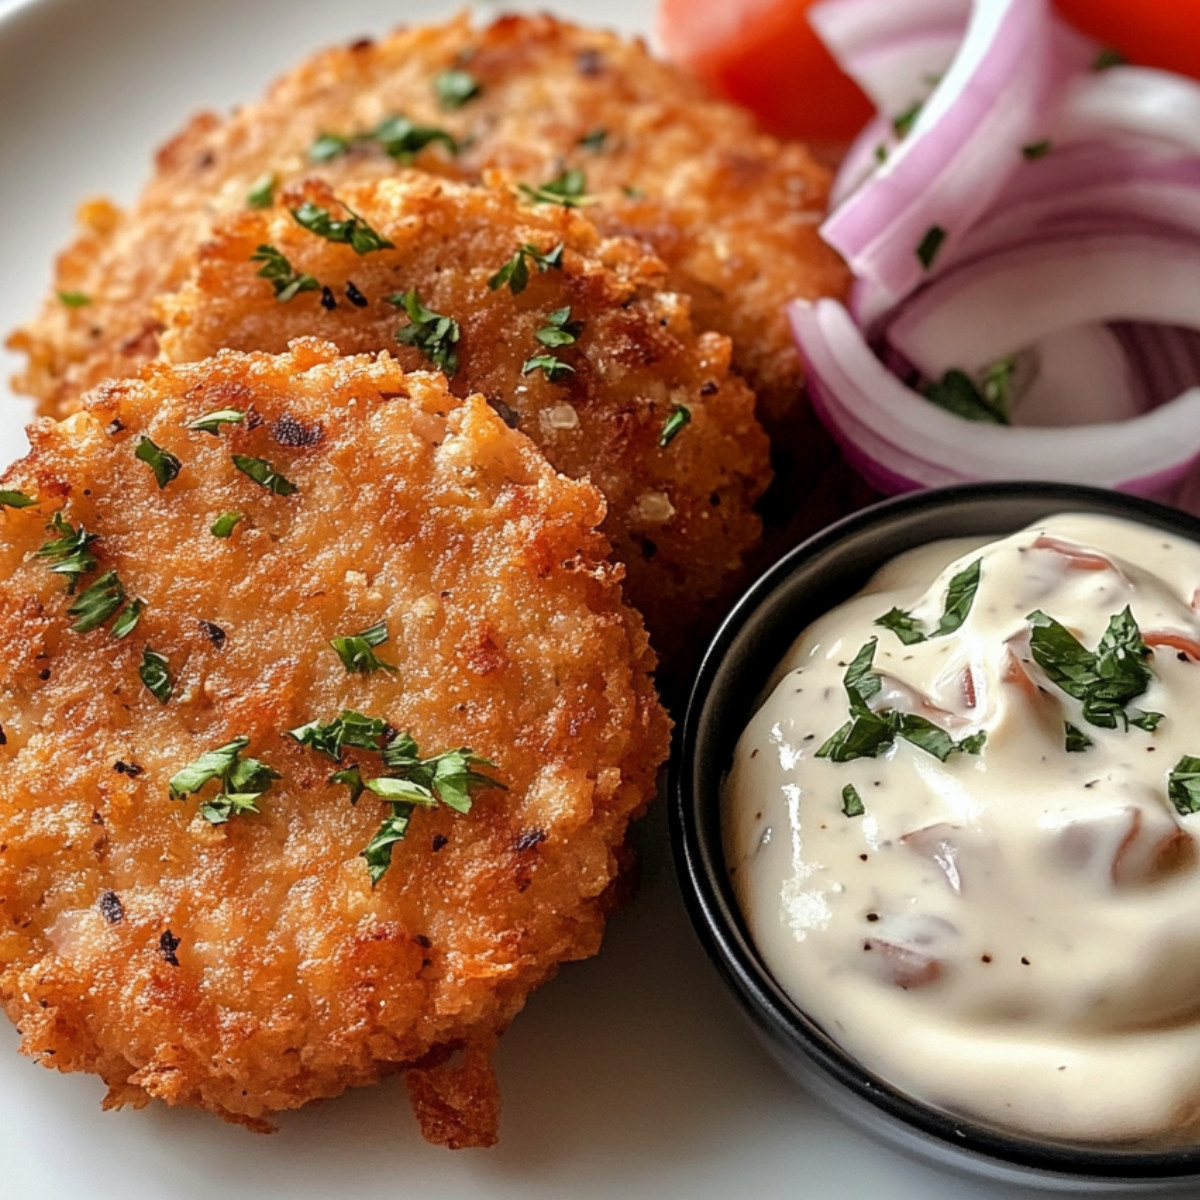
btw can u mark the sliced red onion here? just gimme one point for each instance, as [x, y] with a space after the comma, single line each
[1131, 102]
[900, 441]
[962, 148]
[995, 306]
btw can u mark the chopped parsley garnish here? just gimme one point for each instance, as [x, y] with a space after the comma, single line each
[68, 553]
[559, 330]
[162, 462]
[1105, 680]
[225, 524]
[568, 189]
[679, 416]
[97, 602]
[594, 140]
[852, 804]
[1183, 785]
[397, 136]
[455, 88]
[353, 231]
[357, 652]
[212, 422]
[155, 674]
[1076, 741]
[350, 728]
[262, 191]
[409, 780]
[243, 781]
[432, 333]
[74, 299]
[902, 123]
[11, 499]
[960, 595]
[958, 393]
[930, 244]
[287, 282]
[264, 474]
[515, 272]
[869, 733]
[1036, 150]
[125, 624]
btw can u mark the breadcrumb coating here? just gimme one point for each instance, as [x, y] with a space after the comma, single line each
[249, 966]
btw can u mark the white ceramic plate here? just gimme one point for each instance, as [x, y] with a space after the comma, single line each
[631, 1074]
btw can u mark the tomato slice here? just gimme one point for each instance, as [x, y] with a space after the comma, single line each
[1151, 33]
[764, 54]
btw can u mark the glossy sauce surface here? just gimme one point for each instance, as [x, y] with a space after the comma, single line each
[1014, 934]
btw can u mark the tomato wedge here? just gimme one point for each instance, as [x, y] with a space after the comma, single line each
[764, 54]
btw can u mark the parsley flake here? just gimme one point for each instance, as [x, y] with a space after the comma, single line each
[679, 416]
[1106, 680]
[1107, 58]
[212, 422]
[930, 244]
[434, 334]
[155, 674]
[350, 728]
[225, 524]
[97, 602]
[568, 189]
[125, 624]
[162, 462]
[903, 122]
[594, 140]
[357, 653]
[958, 393]
[1183, 785]
[262, 191]
[68, 553]
[868, 733]
[852, 804]
[12, 499]
[559, 330]
[353, 231]
[1075, 740]
[74, 299]
[283, 277]
[243, 781]
[264, 474]
[399, 138]
[960, 595]
[455, 88]
[515, 272]
[1036, 150]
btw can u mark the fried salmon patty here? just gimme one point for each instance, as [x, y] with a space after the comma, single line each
[400, 560]
[626, 395]
[731, 211]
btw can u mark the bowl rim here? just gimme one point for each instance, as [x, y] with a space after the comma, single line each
[713, 910]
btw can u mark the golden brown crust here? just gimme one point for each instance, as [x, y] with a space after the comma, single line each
[295, 979]
[680, 516]
[732, 211]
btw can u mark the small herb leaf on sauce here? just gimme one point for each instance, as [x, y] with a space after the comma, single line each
[1104, 681]
[455, 88]
[162, 462]
[1076, 740]
[960, 595]
[1183, 785]
[852, 804]
[264, 474]
[357, 652]
[352, 231]
[286, 281]
[434, 334]
[868, 733]
[155, 674]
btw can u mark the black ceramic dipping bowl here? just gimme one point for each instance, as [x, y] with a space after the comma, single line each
[803, 585]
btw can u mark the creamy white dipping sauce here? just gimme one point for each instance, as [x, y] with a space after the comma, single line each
[1011, 935]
